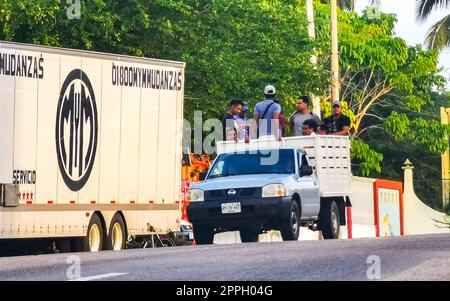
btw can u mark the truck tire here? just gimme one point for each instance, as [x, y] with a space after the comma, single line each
[290, 228]
[93, 241]
[117, 237]
[203, 235]
[329, 220]
[249, 235]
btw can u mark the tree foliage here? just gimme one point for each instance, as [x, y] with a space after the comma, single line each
[234, 48]
[380, 70]
[427, 171]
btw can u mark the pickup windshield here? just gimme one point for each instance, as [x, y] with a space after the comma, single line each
[250, 163]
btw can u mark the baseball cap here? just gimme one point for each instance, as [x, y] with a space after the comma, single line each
[270, 90]
[336, 103]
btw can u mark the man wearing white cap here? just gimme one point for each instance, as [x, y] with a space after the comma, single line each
[337, 124]
[266, 114]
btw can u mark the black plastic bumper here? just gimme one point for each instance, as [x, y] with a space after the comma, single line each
[254, 213]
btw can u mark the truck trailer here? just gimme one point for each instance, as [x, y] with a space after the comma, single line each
[91, 146]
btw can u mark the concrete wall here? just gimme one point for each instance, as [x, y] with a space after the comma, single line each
[419, 218]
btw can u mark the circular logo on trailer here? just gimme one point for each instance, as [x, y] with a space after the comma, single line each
[76, 129]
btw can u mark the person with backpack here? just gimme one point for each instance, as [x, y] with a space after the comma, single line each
[302, 114]
[267, 113]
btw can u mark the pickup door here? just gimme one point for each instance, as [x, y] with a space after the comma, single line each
[307, 187]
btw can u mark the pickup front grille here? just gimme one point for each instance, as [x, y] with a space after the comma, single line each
[241, 193]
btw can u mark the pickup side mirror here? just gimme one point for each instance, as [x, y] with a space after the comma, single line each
[203, 175]
[306, 170]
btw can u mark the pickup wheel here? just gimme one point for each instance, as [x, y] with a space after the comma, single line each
[249, 235]
[329, 220]
[290, 228]
[203, 235]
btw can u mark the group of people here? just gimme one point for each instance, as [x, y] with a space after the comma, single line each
[268, 119]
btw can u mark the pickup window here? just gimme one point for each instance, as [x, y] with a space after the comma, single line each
[281, 161]
[301, 159]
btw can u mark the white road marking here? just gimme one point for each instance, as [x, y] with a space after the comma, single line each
[98, 277]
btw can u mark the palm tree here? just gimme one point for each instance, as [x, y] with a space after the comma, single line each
[439, 34]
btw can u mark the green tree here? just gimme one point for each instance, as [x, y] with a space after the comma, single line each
[234, 48]
[439, 34]
[381, 70]
[427, 175]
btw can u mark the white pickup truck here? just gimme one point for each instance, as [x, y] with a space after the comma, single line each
[273, 185]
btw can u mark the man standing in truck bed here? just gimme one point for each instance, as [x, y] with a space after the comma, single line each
[267, 113]
[337, 124]
[302, 114]
[229, 125]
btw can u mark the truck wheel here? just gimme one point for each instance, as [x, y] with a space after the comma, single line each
[290, 228]
[329, 220]
[93, 241]
[95, 234]
[203, 235]
[249, 235]
[117, 233]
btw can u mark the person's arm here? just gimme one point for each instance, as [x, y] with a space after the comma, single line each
[291, 125]
[256, 117]
[254, 129]
[344, 132]
[276, 117]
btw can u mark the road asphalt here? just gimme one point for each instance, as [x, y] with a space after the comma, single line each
[399, 258]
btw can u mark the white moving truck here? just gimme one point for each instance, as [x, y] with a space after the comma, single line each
[274, 185]
[91, 146]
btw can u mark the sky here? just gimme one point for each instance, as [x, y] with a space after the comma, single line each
[411, 30]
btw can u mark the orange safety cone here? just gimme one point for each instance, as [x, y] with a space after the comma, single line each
[194, 244]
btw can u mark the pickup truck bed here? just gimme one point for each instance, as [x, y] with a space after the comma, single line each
[328, 155]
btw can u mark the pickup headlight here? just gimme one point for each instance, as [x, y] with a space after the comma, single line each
[273, 190]
[196, 195]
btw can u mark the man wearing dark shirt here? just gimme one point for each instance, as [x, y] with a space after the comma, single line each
[229, 123]
[337, 124]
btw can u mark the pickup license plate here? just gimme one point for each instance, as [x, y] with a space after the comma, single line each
[228, 208]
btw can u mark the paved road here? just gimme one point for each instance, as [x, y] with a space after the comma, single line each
[405, 258]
